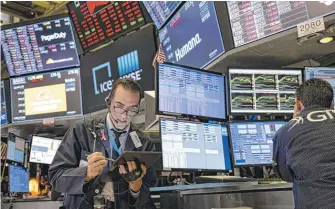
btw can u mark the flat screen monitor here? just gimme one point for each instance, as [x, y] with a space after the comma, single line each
[18, 179]
[193, 37]
[160, 11]
[268, 91]
[98, 22]
[253, 20]
[43, 149]
[42, 45]
[3, 104]
[252, 141]
[191, 92]
[325, 73]
[15, 149]
[194, 145]
[47, 95]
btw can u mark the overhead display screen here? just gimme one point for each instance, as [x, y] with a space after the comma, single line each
[325, 73]
[3, 104]
[192, 37]
[253, 20]
[48, 95]
[160, 11]
[97, 22]
[18, 179]
[43, 149]
[41, 46]
[129, 57]
[263, 91]
[252, 141]
[191, 92]
[193, 145]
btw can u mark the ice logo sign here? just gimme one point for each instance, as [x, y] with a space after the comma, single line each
[188, 47]
[129, 66]
[104, 86]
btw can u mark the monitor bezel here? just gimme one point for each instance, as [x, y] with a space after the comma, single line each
[36, 21]
[231, 141]
[230, 113]
[32, 140]
[110, 39]
[9, 173]
[158, 112]
[41, 119]
[194, 169]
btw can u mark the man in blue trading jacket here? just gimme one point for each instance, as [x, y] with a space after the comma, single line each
[304, 149]
[80, 164]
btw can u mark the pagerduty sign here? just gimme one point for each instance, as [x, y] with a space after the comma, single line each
[61, 35]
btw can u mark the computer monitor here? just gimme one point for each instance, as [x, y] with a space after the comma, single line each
[39, 45]
[191, 92]
[48, 95]
[251, 141]
[3, 104]
[15, 149]
[192, 36]
[160, 11]
[190, 145]
[263, 91]
[18, 179]
[43, 149]
[325, 73]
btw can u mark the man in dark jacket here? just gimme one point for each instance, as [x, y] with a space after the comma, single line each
[304, 149]
[79, 168]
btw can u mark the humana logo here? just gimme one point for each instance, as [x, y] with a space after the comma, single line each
[180, 53]
[54, 36]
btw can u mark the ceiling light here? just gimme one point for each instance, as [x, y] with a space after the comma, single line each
[4, 2]
[326, 40]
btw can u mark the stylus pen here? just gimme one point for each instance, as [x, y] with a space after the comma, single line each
[110, 159]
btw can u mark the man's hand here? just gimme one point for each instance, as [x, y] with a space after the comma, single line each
[96, 163]
[135, 186]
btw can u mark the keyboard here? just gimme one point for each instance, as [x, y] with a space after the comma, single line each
[220, 179]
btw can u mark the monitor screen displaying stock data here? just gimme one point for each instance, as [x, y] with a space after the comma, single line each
[3, 104]
[325, 73]
[253, 20]
[186, 91]
[43, 149]
[192, 37]
[194, 145]
[263, 91]
[160, 11]
[98, 22]
[252, 141]
[15, 149]
[47, 95]
[18, 179]
[42, 46]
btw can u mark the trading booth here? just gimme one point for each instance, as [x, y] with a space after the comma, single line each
[218, 81]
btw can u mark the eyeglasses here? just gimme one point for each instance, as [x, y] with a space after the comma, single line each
[132, 111]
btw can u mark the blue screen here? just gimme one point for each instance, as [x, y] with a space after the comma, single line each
[11, 150]
[18, 179]
[252, 141]
[160, 11]
[194, 145]
[192, 37]
[324, 73]
[3, 104]
[191, 92]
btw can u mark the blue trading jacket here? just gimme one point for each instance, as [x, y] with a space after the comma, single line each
[304, 153]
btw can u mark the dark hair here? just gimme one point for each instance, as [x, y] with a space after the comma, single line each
[315, 92]
[128, 84]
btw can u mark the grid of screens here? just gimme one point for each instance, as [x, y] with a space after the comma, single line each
[186, 91]
[192, 37]
[195, 146]
[15, 149]
[252, 141]
[48, 95]
[3, 104]
[39, 47]
[324, 73]
[263, 91]
[97, 22]
[253, 20]
[18, 179]
[160, 11]
[43, 149]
